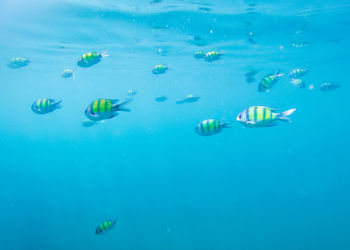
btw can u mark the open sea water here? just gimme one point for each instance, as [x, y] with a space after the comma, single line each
[271, 188]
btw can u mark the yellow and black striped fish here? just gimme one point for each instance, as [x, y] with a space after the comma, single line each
[212, 56]
[259, 116]
[105, 226]
[268, 81]
[102, 109]
[210, 127]
[44, 106]
[90, 58]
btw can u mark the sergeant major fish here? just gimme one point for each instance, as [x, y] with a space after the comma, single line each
[259, 116]
[105, 226]
[212, 56]
[102, 109]
[188, 99]
[327, 86]
[298, 83]
[295, 73]
[269, 81]
[210, 127]
[159, 69]
[18, 62]
[91, 58]
[44, 106]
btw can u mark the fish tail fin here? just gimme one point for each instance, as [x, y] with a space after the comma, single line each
[278, 73]
[120, 106]
[284, 116]
[104, 54]
[226, 124]
[58, 104]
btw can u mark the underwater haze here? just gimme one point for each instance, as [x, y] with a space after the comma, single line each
[276, 186]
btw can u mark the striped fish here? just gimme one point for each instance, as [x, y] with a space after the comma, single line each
[298, 83]
[268, 81]
[188, 99]
[105, 226]
[102, 109]
[259, 116]
[44, 106]
[295, 73]
[159, 69]
[18, 62]
[199, 55]
[210, 127]
[212, 56]
[327, 86]
[90, 58]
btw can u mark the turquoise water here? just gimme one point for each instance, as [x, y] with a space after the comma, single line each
[282, 187]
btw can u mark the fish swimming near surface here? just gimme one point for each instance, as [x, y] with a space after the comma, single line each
[161, 98]
[102, 109]
[259, 116]
[210, 127]
[328, 86]
[131, 92]
[188, 99]
[91, 58]
[18, 62]
[269, 81]
[159, 69]
[299, 83]
[67, 73]
[105, 226]
[44, 106]
[212, 56]
[295, 73]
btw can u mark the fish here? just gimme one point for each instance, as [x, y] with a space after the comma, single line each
[18, 62]
[295, 73]
[188, 99]
[298, 83]
[159, 69]
[91, 58]
[210, 127]
[67, 73]
[260, 116]
[327, 86]
[212, 56]
[161, 98]
[269, 81]
[199, 55]
[103, 109]
[131, 92]
[105, 226]
[88, 123]
[299, 44]
[44, 106]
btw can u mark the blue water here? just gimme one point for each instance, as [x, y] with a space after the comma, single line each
[283, 187]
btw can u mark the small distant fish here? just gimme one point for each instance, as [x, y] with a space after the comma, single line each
[299, 83]
[210, 127]
[44, 106]
[269, 81]
[251, 37]
[327, 86]
[88, 123]
[159, 69]
[188, 99]
[199, 55]
[155, 1]
[102, 109]
[204, 9]
[299, 45]
[212, 56]
[105, 226]
[259, 116]
[91, 58]
[131, 92]
[18, 62]
[298, 73]
[67, 73]
[161, 98]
